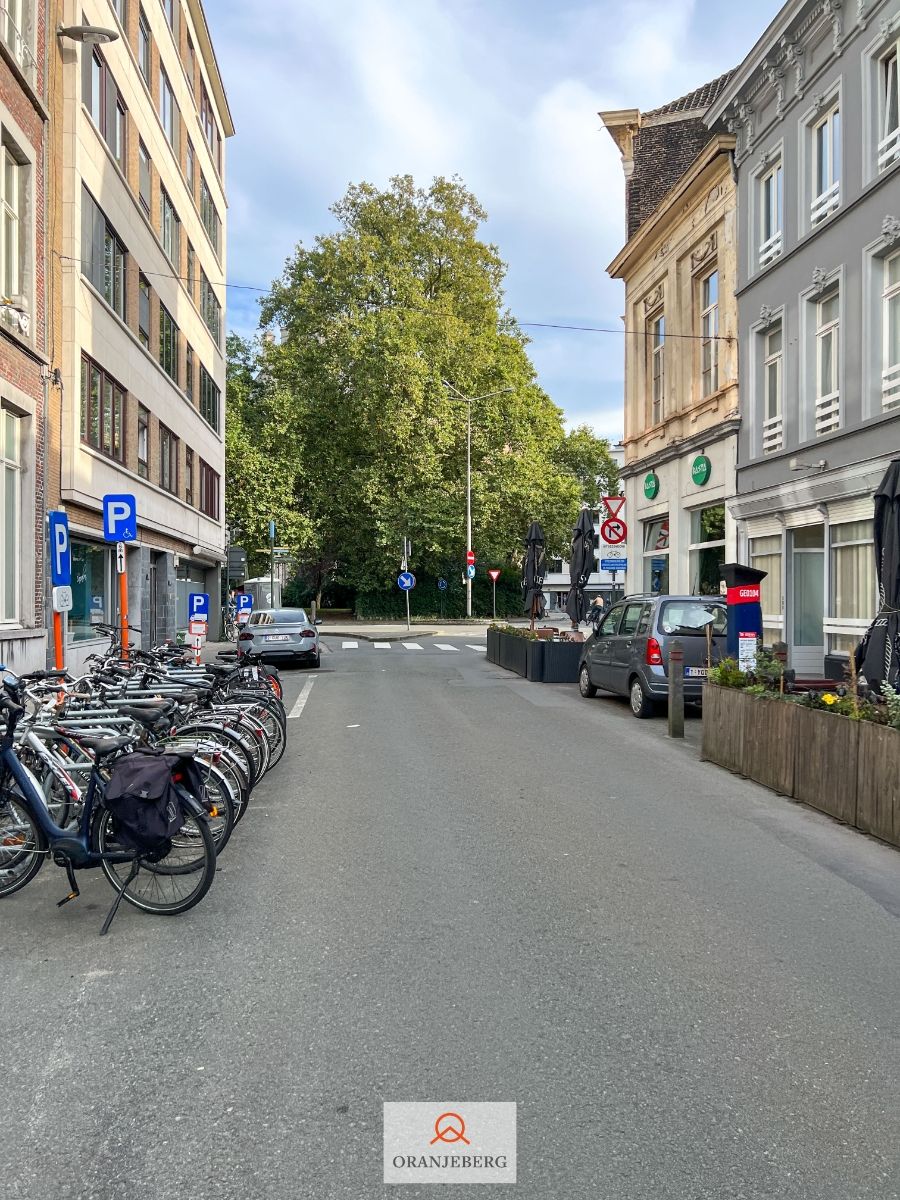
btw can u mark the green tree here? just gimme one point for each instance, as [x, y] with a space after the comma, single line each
[351, 401]
[587, 457]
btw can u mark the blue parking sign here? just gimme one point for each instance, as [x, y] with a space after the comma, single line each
[244, 602]
[119, 518]
[60, 550]
[198, 606]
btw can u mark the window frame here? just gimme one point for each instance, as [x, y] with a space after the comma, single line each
[827, 404]
[656, 365]
[209, 216]
[106, 266]
[144, 298]
[210, 308]
[168, 343]
[709, 335]
[210, 399]
[169, 229]
[772, 422]
[887, 141]
[144, 46]
[168, 460]
[189, 371]
[890, 371]
[770, 225]
[12, 467]
[115, 450]
[189, 476]
[106, 104]
[143, 441]
[168, 108]
[825, 195]
[12, 265]
[145, 171]
[210, 491]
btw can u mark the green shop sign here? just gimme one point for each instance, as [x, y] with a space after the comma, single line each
[701, 469]
[651, 485]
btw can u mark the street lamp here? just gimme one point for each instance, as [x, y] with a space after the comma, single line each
[469, 401]
[95, 35]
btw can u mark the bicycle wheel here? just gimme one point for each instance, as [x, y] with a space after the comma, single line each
[174, 883]
[22, 845]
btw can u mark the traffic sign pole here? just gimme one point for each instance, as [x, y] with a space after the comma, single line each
[58, 654]
[123, 601]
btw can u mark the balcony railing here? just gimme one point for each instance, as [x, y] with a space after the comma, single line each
[890, 388]
[889, 149]
[828, 413]
[773, 436]
[17, 44]
[826, 203]
[770, 249]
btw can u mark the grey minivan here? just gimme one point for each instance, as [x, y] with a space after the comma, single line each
[628, 652]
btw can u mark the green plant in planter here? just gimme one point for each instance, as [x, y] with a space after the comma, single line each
[769, 670]
[892, 705]
[728, 674]
[515, 631]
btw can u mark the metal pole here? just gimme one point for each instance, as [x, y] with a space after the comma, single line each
[676, 689]
[271, 564]
[469, 504]
[495, 599]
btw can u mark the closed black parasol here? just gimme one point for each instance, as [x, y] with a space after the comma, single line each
[878, 654]
[533, 573]
[581, 563]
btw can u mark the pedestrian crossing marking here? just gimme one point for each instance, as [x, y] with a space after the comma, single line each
[382, 645]
[445, 646]
[349, 645]
[412, 645]
[482, 648]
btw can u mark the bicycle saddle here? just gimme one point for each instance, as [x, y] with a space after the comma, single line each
[103, 746]
[148, 714]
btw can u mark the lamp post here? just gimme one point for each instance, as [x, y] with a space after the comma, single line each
[470, 400]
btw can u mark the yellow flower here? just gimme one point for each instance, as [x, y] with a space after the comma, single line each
[827, 698]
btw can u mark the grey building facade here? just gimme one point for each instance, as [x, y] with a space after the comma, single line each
[815, 109]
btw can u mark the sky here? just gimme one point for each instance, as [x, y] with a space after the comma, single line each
[504, 93]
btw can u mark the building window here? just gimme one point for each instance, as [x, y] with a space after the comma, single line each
[144, 312]
[189, 373]
[144, 47]
[210, 128]
[189, 476]
[826, 166]
[191, 170]
[103, 257]
[91, 590]
[14, 17]
[853, 584]
[208, 215]
[170, 228]
[209, 399]
[144, 176]
[765, 555]
[707, 549]
[890, 375]
[191, 64]
[889, 108]
[168, 343]
[191, 269]
[656, 555]
[120, 8]
[143, 442]
[10, 499]
[773, 376]
[771, 205]
[103, 102]
[209, 491]
[168, 460]
[11, 240]
[210, 308]
[709, 333]
[168, 110]
[657, 367]
[102, 410]
[828, 329]
[168, 7]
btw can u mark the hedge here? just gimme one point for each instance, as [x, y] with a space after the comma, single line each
[425, 600]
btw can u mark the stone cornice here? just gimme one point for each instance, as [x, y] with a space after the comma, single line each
[696, 441]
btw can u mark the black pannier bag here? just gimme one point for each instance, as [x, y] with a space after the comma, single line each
[143, 797]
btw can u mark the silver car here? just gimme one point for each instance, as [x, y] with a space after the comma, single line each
[281, 635]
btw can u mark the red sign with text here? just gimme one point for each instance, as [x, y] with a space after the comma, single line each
[748, 594]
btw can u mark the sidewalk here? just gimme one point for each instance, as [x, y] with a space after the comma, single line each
[394, 631]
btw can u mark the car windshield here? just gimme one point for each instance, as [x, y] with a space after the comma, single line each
[686, 618]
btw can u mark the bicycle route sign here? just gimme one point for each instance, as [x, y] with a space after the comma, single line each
[442, 585]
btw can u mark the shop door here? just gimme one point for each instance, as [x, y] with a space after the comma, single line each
[152, 632]
[807, 642]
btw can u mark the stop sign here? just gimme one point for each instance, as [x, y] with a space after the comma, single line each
[470, 558]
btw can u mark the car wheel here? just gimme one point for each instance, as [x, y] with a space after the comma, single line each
[641, 704]
[585, 686]
[317, 662]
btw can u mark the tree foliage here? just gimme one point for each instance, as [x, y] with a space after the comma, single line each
[344, 428]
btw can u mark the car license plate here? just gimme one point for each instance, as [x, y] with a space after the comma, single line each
[277, 637]
[696, 672]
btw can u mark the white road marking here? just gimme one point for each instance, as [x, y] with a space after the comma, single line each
[445, 646]
[353, 726]
[482, 648]
[412, 645]
[349, 645]
[382, 645]
[302, 698]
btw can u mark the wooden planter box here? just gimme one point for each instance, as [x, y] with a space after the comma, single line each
[878, 793]
[847, 769]
[826, 751]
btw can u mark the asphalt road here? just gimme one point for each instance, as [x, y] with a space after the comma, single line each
[458, 885]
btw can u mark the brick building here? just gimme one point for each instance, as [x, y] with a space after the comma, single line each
[139, 118]
[24, 373]
[681, 411]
